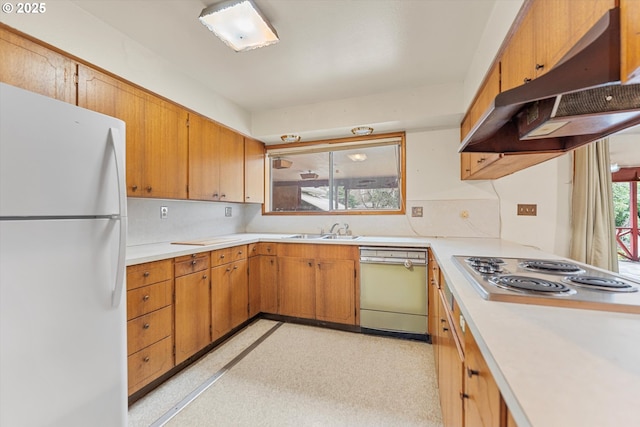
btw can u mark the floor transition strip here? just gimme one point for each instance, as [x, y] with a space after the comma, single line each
[209, 382]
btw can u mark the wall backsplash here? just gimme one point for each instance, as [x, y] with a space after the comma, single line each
[185, 220]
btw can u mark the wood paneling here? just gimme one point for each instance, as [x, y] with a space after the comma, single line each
[33, 67]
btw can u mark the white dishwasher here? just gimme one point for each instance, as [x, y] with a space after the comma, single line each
[393, 290]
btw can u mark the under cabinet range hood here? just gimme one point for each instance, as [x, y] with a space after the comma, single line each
[579, 101]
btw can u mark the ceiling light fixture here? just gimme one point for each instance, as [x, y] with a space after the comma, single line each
[362, 130]
[309, 175]
[240, 24]
[282, 164]
[290, 138]
[358, 157]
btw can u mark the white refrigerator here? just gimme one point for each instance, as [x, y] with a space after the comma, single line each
[63, 232]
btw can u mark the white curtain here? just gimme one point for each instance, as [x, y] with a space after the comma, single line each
[593, 226]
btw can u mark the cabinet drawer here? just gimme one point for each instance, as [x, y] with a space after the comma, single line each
[223, 256]
[262, 249]
[148, 329]
[191, 263]
[149, 363]
[149, 273]
[148, 298]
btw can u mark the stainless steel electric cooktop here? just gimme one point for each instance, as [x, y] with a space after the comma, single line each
[550, 282]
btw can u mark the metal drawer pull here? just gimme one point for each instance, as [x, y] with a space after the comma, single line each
[149, 188]
[145, 274]
[145, 298]
[235, 267]
[146, 359]
[145, 326]
[472, 372]
[194, 262]
[204, 276]
[222, 256]
[445, 329]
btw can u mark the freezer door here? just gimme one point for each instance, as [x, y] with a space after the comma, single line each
[62, 343]
[57, 159]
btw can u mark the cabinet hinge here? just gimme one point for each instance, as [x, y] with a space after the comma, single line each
[187, 121]
[174, 351]
[76, 79]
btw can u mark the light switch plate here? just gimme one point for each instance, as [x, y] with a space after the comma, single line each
[416, 211]
[227, 211]
[530, 210]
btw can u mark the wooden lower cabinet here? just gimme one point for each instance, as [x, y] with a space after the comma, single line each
[263, 279]
[296, 287]
[469, 395]
[335, 291]
[192, 305]
[150, 338]
[229, 290]
[450, 370]
[318, 282]
[482, 403]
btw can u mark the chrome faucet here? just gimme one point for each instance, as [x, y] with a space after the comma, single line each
[333, 228]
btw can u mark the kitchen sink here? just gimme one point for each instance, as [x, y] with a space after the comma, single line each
[322, 236]
[340, 237]
[306, 236]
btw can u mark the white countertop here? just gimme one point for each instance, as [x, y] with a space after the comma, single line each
[554, 366]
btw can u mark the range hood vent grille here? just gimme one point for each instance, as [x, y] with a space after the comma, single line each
[599, 100]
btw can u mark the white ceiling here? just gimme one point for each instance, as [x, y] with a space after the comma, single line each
[329, 49]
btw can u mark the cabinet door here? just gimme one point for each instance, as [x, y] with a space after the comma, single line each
[238, 282]
[204, 171]
[166, 149]
[450, 373]
[192, 318]
[253, 171]
[518, 60]
[231, 166]
[482, 402]
[255, 277]
[296, 287]
[268, 284]
[335, 291]
[29, 66]
[220, 301]
[107, 95]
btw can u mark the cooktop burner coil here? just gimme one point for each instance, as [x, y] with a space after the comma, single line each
[600, 283]
[529, 284]
[552, 267]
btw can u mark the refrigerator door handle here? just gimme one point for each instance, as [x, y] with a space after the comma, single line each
[115, 138]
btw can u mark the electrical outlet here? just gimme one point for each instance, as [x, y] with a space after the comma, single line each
[164, 212]
[227, 211]
[416, 211]
[530, 210]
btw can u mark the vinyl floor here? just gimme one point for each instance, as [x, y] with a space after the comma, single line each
[283, 374]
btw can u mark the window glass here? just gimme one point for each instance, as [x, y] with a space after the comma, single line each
[337, 178]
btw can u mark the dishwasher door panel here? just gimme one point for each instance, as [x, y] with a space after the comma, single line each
[393, 288]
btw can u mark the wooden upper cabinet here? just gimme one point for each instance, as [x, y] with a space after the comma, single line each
[107, 95]
[204, 138]
[555, 16]
[519, 58]
[216, 161]
[253, 171]
[156, 133]
[231, 166]
[30, 66]
[165, 149]
[630, 34]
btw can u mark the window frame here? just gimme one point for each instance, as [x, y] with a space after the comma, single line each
[401, 136]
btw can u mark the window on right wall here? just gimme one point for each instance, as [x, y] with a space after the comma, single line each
[347, 176]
